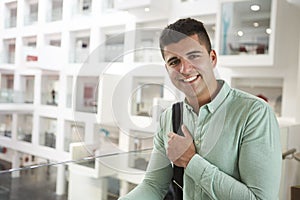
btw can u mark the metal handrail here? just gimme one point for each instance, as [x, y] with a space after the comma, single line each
[293, 154]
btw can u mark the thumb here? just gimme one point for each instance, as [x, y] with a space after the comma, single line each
[185, 131]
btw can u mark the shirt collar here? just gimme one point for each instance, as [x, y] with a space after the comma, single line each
[217, 101]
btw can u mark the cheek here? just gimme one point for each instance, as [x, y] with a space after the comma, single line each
[172, 73]
[204, 67]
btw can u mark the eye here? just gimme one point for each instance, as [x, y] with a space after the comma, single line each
[193, 56]
[174, 62]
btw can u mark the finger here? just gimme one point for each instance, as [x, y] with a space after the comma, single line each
[185, 131]
[171, 135]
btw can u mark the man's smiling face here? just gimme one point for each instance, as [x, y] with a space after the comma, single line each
[190, 66]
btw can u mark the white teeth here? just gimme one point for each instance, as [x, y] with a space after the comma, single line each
[190, 79]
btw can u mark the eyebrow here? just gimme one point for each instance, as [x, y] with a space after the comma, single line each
[189, 53]
[192, 52]
[172, 58]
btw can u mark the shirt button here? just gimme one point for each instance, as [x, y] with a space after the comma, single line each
[197, 142]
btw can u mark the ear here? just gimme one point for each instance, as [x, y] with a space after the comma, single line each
[213, 57]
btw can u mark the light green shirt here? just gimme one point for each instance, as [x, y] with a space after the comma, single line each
[238, 148]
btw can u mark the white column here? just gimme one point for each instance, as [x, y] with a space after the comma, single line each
[89, 134]
[17, 87]
[125, 141]
[129, 40]
[36, 103]
[37, 89]
[16, 162]
[94, 38]
[2, 10]
[60, 134]
[3, 54]
[104, 189]
[65, 45]
[97, 8]
[67, 10]
[43, 9]
[94, 45]
[14, 128]
[20, 13]
[60, 137]
[61, 180]
[124, 187]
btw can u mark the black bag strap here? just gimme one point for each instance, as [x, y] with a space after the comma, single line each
[177, 180]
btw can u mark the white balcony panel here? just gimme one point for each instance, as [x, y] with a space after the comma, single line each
[51, 58]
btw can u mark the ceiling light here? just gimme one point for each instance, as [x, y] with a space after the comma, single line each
[268, 31]
[147, 9]
[255, 7]
[240, 33]
[256, 24]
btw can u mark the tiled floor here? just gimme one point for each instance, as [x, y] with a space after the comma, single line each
[34, 184]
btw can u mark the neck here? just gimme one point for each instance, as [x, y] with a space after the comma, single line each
[207, 96]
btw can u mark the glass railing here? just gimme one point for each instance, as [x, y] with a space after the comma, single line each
[56, 15]
[108, 6]
[48, 139]
[30, 19]
[48, 99]
[10, 58]
[11, 22]
[90, 172]
[24, 135]
[11, 96]
[40, 178]
[79, 55]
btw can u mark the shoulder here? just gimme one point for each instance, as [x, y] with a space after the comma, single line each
[248, 101]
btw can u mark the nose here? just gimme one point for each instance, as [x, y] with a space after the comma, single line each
[185, 67]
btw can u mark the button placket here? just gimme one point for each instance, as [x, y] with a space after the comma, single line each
[200, 128]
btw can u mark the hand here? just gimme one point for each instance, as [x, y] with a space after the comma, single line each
[181, 149]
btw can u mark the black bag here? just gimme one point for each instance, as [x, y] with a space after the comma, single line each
[175, 191]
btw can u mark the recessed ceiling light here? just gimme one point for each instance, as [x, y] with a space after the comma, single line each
[268, 31]
[147, 9]
[255, 7]
[256, 24]
[240, 33]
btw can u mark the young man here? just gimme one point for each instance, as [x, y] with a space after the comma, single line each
[231, 143]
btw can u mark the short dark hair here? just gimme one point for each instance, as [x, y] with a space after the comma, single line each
[181, 29]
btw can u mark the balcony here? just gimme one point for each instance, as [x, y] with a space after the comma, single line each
[80, 55]
[11, 96]
[11, 22]
[30, 19]
[9, 51]
[55, 10]
[50, 95]
[24, 123]
[5, 124]
[10, 14]
[74, 132]
[80, 43]
[86, 94]
[30, 57]
[56, 15]
[48, 130]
